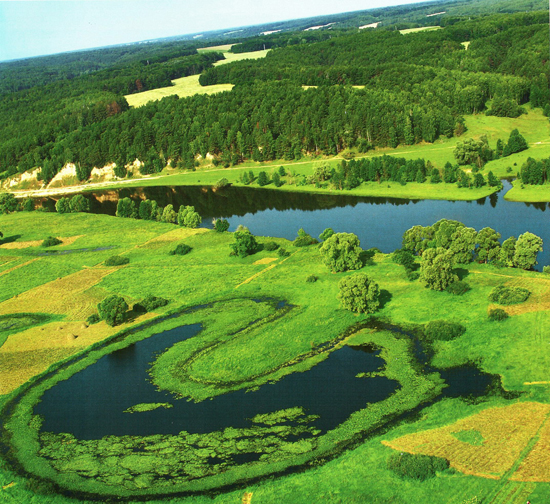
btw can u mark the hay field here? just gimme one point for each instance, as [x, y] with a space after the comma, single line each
[505, 433]
[423, 28]
[536, 466]
[189, 86]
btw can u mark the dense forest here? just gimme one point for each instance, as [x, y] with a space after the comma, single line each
[413, 88]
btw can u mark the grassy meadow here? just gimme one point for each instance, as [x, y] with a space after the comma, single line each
[492, 458]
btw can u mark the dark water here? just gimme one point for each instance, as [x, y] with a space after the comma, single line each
[91, 403]
[378, 222]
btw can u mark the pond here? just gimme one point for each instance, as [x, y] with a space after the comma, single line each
[378, 222]
[91, 404]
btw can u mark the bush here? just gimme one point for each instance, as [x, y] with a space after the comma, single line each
[93, 319]
[78, 203]
[327, 233]
[51, 241]
[245, 243]
[311, 279]
[181, 249]
[417, 467]
[270, 246]
[221, 225]
[443, 331]
[546, 269]
[117, 261]
[342, 252]
[113, 310]
[508, 295]
[8, 203]
[187, 217]
[304, 239]
[458, 288]
[358, 293]
[223, 182]
[62, 205]
[404, 258]
[149, 304]
[283, 252]
[497, 314]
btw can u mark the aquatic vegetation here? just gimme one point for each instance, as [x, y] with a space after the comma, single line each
[140, 408]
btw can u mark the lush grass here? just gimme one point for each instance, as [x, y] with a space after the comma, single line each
[528, 193]
[255, 355]
[416, 30]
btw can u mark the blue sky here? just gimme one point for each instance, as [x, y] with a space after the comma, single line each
[32, 28]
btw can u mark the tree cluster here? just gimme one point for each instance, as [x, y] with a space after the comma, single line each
[150, 210]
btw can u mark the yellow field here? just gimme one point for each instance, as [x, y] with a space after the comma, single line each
[536, 466]
[423, 28]
[189, 86]
[177, 234]
[505, 433]
[265, 260]
[186, 86]
[539, 299]
[36, 243]
[219, 48]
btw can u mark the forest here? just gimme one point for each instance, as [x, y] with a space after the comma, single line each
[405, 93]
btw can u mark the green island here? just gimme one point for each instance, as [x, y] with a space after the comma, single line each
[151, 354]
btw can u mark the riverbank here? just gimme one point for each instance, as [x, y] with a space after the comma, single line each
[528, 193]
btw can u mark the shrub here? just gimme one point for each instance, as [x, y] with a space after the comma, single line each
[28, 205]
[283, 252]
[8, 203]
[458, 288]
[443, 330]
[51, 241]
[221, 225]
[304, 239]
[418, 467]
[263, 179]
[93, 319]
[113, 310]
[62, 205]
[497, 314]
[270, 246]
[312, 279]
[223, 182]
[187, 217]
[508, 295]
[126, 208]
[181, 249]
[245, 243]
[404, 258]
[150, 303]
[117, 261]
[78, 203]
[546, 269]
[327, 233]
[358, 293]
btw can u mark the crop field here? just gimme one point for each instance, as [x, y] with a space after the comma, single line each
[496, 446]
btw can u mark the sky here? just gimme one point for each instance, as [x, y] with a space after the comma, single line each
[34, 28]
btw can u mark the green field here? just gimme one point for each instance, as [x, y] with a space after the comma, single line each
[230, 354]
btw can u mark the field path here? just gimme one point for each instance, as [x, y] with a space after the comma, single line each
[265, 270]
[18, 266]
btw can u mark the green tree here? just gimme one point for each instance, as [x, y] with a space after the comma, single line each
[146, 210]
[187, 217]
[435, 176]
[28, 205]
[277, 179]
[62, 205]
[341, 252]
[169, 215]
[463, 244]
[436, 268]
[527, 248]
[126, 208]
[417, 239]
[488, 245]
[358, 293]
[113, 310]
[221, 225]
[263, 179]
[327, 233]
[79, 203]
[8, 203]
[245, 243]
[507, 251]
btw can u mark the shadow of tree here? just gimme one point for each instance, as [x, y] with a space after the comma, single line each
[9, 239]
[385, 297]
[462, 273]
